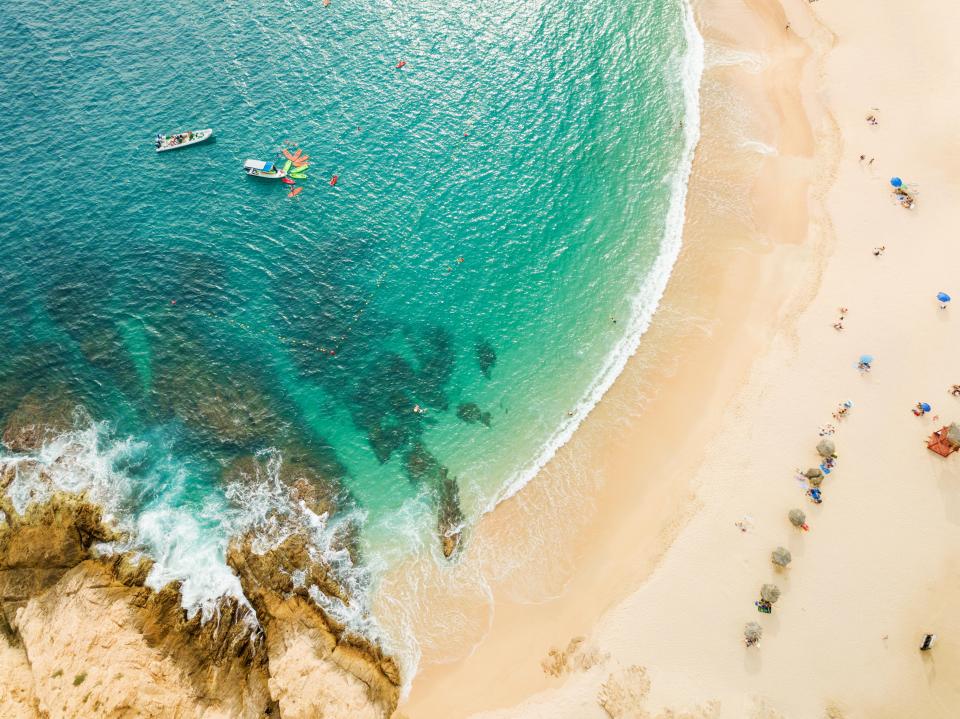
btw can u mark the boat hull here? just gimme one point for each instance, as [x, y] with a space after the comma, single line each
[275, 175]
[195, 138]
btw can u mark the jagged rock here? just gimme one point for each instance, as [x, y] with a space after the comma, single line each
[127, 651]
[17, 698]
[305, 481]
[39, 547]
[449, 516]
[37, 418]
[317, 667]
[121, 649]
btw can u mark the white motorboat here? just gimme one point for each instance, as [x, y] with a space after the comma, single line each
[181, 139]
[259, 168]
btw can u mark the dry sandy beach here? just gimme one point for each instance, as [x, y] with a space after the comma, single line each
[637, 552]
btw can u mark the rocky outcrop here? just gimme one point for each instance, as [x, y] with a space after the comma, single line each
[38, 548]
[422, 467]
[84, 636]
[37, 418]
[99, 647]
[317, 667]
[449, 516]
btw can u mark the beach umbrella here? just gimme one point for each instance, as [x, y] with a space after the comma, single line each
[866, 359]
[953, 434]
[813, 473]
[896, 181]
[826, 448]
[781, 556]
[770, 593]
[815, 481]
[943, 297]
[752, 632]
[797, 517]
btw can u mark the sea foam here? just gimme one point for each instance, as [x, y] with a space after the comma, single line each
[645, 302]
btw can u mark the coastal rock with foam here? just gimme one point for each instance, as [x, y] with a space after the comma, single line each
[84, 635]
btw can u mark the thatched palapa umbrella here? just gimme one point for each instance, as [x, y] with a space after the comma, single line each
[826, 448]
[752, 633]
[781, 556]
[953, 434]
[813, 473]
[770, 593]
[797, 517]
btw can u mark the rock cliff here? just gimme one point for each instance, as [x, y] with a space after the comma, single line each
[81, 635]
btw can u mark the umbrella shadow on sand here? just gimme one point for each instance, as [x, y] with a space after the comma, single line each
[753, 657]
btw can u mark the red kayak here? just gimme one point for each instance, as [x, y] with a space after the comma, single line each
[287, 181]
[401, 64]
[333, 180]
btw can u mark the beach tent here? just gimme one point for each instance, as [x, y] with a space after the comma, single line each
[781, 556]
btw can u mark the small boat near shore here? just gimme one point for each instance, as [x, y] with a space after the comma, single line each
[260, 168]
[181, 139]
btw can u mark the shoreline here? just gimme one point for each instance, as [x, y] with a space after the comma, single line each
[648, 298]
[659, 381]
[632, 601]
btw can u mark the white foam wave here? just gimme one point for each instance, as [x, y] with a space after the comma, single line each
[402, 602]
[88, 460]
[187, 540]
[648, 298]
[269, 509]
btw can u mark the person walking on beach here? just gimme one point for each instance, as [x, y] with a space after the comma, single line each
[928, 641]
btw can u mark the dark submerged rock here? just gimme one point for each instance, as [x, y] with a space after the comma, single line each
[486, 357]
[471, 414]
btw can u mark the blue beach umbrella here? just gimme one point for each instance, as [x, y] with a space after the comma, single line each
[896, 181]
[924, 406]
[943, 297]
[866, 359]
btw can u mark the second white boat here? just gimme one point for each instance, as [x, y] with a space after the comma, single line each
[267, 170]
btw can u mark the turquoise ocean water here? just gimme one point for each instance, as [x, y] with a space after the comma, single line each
[502, 199]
